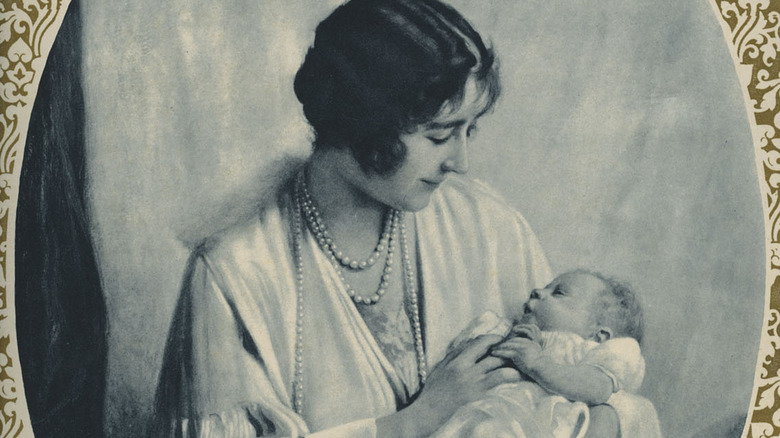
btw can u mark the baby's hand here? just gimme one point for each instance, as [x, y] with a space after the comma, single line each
[528, 331]
[522, 352]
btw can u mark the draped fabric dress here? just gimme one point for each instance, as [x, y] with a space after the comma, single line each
[229, 364]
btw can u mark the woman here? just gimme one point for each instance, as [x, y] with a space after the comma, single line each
[330, 312]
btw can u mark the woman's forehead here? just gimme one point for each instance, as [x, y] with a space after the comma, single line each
[473, 104]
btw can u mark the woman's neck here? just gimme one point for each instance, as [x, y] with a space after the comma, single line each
[334, 180]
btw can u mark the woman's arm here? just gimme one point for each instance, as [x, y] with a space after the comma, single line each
[583, 383]
[604, 422]
[210, 382]
[464, 375]
[216, 379]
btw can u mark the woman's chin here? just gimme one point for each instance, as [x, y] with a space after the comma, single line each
[411, 203]
[416, 204]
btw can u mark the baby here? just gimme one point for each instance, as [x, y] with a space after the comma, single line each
[576, 343]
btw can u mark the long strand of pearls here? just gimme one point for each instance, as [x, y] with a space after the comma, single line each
[325, 240]
[410, 284]
[297, 227]
[387, 240]
[410, 281]
[384, 281]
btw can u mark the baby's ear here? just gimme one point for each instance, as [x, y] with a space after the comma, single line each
[603, 334]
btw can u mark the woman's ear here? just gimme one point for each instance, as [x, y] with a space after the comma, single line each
[603, 334]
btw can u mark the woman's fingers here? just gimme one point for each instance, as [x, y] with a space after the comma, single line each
[489, 363]
[478, 348]
[505, 353]
[499, 376]
[514, 344]
[512, 356]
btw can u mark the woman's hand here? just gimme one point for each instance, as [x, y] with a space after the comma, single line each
[464, 375]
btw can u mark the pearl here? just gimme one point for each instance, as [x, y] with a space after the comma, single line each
[325, 241]
[339, 261]
[298, 369]
[393, 224]
[411, 291]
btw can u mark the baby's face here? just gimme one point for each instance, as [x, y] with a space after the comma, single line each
[567, 304]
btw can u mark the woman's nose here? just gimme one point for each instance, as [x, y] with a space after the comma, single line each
[535, 294]
[458, 159]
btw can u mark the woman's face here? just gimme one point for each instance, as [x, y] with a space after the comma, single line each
[433, 151]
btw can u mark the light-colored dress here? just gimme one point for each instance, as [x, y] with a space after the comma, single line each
[526, 410]
[229, 365]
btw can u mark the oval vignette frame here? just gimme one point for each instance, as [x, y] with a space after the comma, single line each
[750, 28]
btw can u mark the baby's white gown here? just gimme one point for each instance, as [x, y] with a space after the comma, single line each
[526, 410]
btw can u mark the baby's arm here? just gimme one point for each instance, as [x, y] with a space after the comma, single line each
[583, 383]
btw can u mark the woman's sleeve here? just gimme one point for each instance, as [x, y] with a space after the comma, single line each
[214, 381]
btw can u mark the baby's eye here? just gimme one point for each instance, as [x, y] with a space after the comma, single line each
[558, 291]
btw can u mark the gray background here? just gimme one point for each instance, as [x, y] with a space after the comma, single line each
[621, 136]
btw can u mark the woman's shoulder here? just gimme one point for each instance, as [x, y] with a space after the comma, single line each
[262, 235]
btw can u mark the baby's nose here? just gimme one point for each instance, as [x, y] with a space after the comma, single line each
[535, 294]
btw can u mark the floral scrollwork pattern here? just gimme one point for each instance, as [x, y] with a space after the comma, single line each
[752, 29]
[27, 28]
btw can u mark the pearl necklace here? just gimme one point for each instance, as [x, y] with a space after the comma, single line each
[325, 240]
[337, 260]
[412, 295]
[410, 290]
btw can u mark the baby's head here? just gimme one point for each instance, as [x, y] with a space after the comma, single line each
[588, 304]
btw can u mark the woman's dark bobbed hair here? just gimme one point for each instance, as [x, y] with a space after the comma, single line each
[379, 68]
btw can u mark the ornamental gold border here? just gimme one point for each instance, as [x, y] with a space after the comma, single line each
[751, 29]
[27, 31]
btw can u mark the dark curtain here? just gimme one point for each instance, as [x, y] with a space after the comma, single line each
[61, 315]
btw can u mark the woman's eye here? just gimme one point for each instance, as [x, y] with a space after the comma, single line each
[558, 291]
[471, 130]
[439, 140]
